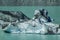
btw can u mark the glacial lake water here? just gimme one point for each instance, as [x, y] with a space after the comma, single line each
[6, 36]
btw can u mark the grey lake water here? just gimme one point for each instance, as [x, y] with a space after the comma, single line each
[54, 12]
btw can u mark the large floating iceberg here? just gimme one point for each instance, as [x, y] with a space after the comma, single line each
[23, 24]
[32, 27]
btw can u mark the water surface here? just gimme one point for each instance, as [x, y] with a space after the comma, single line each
[6, 36]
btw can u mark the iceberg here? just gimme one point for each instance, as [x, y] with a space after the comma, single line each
[32, 27]
[20, 23]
